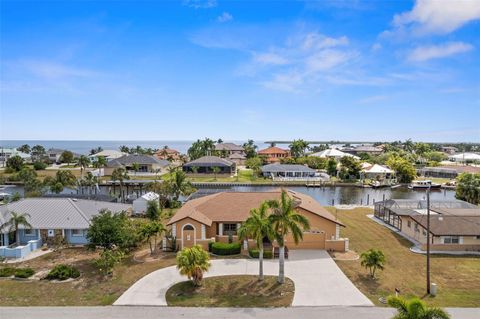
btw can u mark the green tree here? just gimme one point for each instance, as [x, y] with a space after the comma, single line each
[25, 148]
[14, 222]
[108, 259]
[15, 163]
[415, 309]
[372, 260]
[89, 180]
[404, 169]
[350, 168]
[96, 150]
[215, 171]
[83, 162]
[100, 163]
[38, 151]
[151, 230]
[153, 210]
[16, 197]
[332, 167]
[468, 188]
[179, 185]
[110, 230]
[192, 262]
[62, 179]
[250, 149]
[120, 175]
[422, 148]
[66, 157]
[31, 184]
[298, 148]
[125, 149]
[254, 163]
[135, 167]
[201, 148]
[163, 190]
[39, 165]
[286, 220]
[257, 227]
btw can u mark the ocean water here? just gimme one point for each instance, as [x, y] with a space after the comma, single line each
[84, 147]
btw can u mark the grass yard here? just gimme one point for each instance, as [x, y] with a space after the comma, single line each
[91, 289]
[457, 277]
[232, 291]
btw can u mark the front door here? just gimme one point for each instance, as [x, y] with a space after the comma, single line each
[188, 236]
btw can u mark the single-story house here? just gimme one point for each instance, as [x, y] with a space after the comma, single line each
[140, 204]
[54, 154]
[465, 157]
[168, 154]
[377, 172]
[274, 154]
[333, 153]
[147, 164]
[447, 171]
[107, 154]
[367, 149]
[6, 153]
[449, 149]
[52, 219]
[205, 165]
[229, 149]
[290, 171]
[218, 216]
[454, 224]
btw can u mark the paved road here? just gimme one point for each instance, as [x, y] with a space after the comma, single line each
[209, 313]
[318, 281]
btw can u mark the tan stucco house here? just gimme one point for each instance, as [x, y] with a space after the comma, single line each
[216, 217]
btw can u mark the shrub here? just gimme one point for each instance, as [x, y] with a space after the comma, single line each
[210, 243]
[63, 272]
[7, 272]
[24, 272]
[267, 254]
[38, 165]
[224, 249]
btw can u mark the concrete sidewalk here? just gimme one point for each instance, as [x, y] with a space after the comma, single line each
[318, 281]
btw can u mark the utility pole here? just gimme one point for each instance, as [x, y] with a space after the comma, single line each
[428, 240]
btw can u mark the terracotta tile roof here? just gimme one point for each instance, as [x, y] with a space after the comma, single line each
[272, 150]
[236, 206]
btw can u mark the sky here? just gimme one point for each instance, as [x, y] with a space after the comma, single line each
[182, 70]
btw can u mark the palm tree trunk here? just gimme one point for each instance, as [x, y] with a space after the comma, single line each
[260, 261]
[17, 235]
[281, 265]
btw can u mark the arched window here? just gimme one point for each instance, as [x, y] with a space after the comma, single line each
[188, 227]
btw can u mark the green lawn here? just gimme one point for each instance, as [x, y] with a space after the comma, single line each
[232, 291]
[457, 277]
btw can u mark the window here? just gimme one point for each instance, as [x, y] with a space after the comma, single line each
[188, 227]
[416, 227]
[77, 232]
[424, 233]
[451, 240]
[29, 232]
[229, 229]
[409, 224]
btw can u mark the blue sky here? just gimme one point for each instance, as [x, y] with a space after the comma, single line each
[318, 70]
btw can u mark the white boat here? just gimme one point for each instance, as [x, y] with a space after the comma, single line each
[424, 185]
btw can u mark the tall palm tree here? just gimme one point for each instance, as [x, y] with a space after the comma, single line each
[179, 184]
[192, 262]
[415, 309]
[215, 171]
[100, 163]
[135, 167]
[120, 174]
[16, 220]
[257, 227]
[285, 220]
[83, 162]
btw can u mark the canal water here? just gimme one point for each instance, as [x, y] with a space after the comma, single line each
[339, 195]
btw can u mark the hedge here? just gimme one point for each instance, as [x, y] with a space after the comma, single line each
[226, 249]
[267, 254]
[24, 272]
[7, 272]
[63, 272]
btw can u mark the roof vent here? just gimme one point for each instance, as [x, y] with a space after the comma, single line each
[74, 199]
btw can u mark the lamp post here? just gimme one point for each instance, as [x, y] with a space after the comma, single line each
[428, 240]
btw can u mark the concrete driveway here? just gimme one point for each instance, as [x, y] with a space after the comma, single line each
[318, 280]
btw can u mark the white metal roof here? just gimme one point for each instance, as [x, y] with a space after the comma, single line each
[466, 157]
[149, 196]
[376, 168]
[331, 152]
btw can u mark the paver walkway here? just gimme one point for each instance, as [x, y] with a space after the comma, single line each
[318, 280]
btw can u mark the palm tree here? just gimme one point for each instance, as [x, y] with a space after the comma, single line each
[372, 259]
[192, 262]
[415, 309]
[285, 220]
[135, 167]
[14, 222]
[194, 169]
[120, 174]
[257, 227]
[100, 163]
[179, 184]
[83, 162]
[149, 230]
[215, 171]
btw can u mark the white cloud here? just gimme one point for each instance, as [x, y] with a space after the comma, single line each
[51, 70]
[318, 41]
[373, 99]
[225, 17]
[327, 59]
[425, 53]
[437, 17]
[289, 82]
[269, 58]
[200, 4]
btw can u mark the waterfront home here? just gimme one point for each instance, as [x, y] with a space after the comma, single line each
[218, 216]
[140, 204]
[288, 172]
[333, 153]
[454, 224]
[55, 154]
[447, 171]
[146, 164]
[367, 149]
[238, 159]
[465, 157]
[168, 154]
[229, 149]
[207, 164]
[6, 153]
[274, 154]
[379, 173]
[107, 154]
[53, 220]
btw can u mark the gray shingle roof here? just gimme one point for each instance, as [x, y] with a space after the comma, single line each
[274, 168]
[209, 161]
[140, 159]
[58, 213]
[228, 147]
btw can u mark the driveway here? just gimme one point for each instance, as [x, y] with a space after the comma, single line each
[318, 280]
